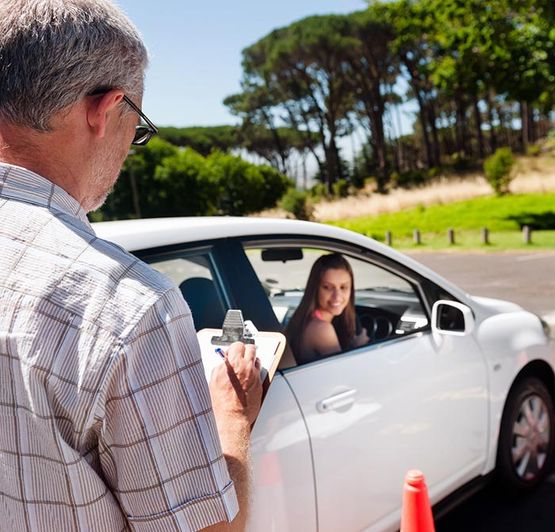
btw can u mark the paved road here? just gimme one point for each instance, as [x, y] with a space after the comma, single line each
[525, 278]
[528, 279]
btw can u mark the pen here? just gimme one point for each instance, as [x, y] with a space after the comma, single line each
[220, 352]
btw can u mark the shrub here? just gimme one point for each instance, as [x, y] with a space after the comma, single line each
[533, 150]
[340, 188]
[274, 187]
[243, 187]
[319, 191]
[408, 179]
[182, 188]
[499, 170]
[433, 172]
[460, 162]
[298, 203]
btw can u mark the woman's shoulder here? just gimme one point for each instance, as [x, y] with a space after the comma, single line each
[318, 325]
[322, 335]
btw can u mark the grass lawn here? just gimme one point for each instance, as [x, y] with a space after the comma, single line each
[503, 216]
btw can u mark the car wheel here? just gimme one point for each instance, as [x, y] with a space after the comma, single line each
[527, 437]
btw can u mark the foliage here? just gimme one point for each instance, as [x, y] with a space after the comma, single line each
[408, 179]
[533, 150]
[163, 180]
[139, 167]
[184, 189]
[499, 170]
[243, 187]
[341, 188]
[298, 203]
[202, 139]
[318, 191]
[480, 74]
[472, 69]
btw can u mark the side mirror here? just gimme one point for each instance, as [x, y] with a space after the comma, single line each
[451, 317]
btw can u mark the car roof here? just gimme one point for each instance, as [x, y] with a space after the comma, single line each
[146, 233]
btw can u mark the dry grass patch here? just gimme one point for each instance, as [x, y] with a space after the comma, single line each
[533, 175]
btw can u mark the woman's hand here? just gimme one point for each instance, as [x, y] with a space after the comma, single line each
[361, 338]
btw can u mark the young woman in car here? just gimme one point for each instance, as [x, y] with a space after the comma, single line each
[325, 320]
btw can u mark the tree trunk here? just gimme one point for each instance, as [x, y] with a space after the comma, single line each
[415, 83]
[277, 141]
[524, 140]
[492, 134]
[399, 141]
[424, 124]
[532, 124]
[379, 141]
[478, 121]
[335, 171]
[462, 145]
[435, 139]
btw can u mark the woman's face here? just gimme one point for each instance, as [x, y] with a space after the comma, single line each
[334, 292]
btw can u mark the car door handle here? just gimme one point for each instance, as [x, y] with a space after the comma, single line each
[336, 401]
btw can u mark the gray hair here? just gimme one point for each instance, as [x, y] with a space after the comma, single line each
[54, 52]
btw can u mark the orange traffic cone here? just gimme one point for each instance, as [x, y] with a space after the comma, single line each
[417, 512]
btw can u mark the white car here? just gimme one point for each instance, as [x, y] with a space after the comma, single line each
[457, 386]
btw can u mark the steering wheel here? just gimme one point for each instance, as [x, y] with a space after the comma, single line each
[377, 327]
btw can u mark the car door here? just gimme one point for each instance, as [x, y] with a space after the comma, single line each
[407, 400]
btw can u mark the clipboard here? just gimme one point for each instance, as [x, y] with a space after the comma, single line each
[270, 346]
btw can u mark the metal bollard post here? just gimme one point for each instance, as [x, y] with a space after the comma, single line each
[526, 234]
[388, 238]
[485, 236]
[451, 236]
[416, 237]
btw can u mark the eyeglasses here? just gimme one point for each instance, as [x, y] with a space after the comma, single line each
[143, 132]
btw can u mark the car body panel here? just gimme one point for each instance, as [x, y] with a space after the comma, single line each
[352, 444]
[284, 498]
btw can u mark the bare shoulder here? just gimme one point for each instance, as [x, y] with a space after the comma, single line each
[321, 337]
[319, 327]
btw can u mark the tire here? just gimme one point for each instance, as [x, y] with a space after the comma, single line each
[527, 436]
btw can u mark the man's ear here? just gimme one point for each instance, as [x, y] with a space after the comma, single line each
[99, 108]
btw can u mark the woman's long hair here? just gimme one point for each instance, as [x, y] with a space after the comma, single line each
[344, 324]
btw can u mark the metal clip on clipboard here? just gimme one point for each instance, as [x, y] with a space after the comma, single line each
[233, 330]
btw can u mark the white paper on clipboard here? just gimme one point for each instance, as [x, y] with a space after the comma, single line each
[269, 349]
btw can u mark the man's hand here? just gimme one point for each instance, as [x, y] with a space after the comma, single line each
[235, 386]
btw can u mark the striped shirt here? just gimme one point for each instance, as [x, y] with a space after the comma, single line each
[105, 417]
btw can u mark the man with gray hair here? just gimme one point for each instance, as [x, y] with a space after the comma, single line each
[106, 420]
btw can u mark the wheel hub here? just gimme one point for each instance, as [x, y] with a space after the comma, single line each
[530, 437]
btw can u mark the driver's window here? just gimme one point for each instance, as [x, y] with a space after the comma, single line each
[386, 304]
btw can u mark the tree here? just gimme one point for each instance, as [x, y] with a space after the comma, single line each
[241, 187]
[302, 67]
[371, 68]
[202, 139]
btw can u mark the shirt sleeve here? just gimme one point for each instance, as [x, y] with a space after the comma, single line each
[159, 447]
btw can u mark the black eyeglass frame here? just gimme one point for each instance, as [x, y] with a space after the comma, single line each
[143, 133]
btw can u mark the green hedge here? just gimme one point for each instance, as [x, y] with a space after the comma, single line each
[172, 181]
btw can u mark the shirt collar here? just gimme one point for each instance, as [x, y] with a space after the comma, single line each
[20, 184]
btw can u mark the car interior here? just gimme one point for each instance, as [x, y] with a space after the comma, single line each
[385, 311]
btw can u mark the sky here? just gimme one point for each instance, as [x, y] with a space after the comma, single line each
[195, 50]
